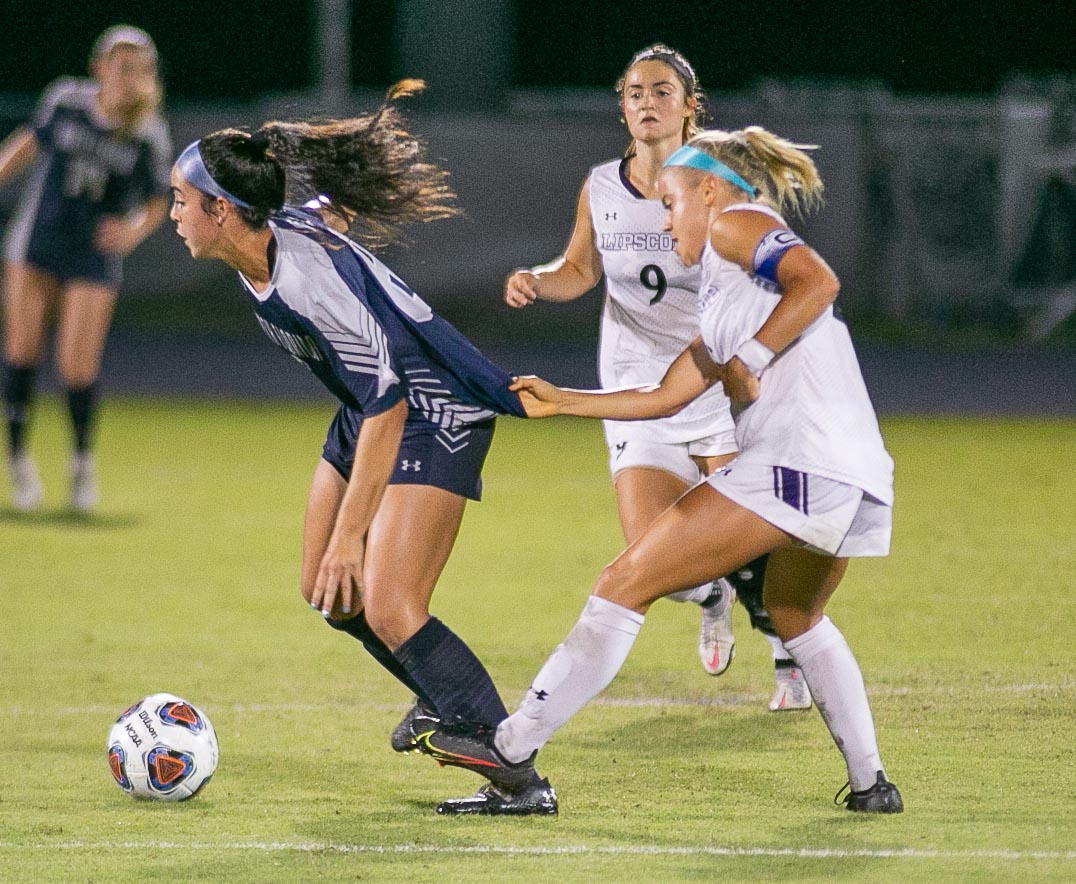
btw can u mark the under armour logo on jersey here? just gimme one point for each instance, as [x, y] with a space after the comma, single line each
[415, 465]
[620, 446]
[610, 216]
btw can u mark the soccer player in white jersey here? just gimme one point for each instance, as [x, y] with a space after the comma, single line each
[650, 314]
[404, 453]
[812, 485]
[98, 155]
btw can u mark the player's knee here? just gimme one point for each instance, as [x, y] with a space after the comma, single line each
[615, 582]
[789, 622]
[75, 374]
[393, 618]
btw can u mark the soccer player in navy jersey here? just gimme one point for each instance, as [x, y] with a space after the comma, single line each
[98, 154]
[404, 453]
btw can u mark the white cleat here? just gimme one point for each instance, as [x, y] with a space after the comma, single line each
[791, 691]
[26, 490]
[84, 491]
[717, 644]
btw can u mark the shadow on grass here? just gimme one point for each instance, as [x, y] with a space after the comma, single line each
[68, 518]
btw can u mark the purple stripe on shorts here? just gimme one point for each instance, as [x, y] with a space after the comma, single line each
[790, 487]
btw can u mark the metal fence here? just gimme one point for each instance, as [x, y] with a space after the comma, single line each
[941, 209]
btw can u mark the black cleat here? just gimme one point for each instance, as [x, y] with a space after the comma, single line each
[419, 719]
[538, 799]
[470, 746]
[882, 797]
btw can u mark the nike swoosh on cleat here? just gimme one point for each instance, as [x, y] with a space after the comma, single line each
[441, 754]
[715, 659]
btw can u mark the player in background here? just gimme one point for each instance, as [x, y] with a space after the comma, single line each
[650, 314]
[812, 485]
[404, 453]
[98, 154]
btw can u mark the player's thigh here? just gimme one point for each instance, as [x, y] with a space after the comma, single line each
[322, 505]
[28, 293]
[85, 316]
[409, 542]
[702, 534]
[643, 494]
[799, 583]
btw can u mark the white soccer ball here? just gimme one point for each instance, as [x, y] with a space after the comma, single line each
[162, 748]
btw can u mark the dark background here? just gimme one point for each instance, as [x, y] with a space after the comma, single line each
[239, 48]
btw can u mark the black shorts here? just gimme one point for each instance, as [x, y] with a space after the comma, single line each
[428, 455]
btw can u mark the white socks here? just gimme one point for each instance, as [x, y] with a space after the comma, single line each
[578, 669]
[698, 595]
[833, 675]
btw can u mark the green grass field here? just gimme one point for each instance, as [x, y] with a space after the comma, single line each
[187, 581]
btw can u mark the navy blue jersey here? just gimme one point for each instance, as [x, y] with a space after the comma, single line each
[85, 169]
[367, 337]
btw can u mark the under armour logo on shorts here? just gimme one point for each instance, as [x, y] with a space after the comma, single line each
[415, 465]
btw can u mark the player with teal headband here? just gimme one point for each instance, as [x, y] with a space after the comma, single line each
[650, 313]
[812, 485]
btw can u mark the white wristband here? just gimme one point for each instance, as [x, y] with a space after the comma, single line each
[755, 355]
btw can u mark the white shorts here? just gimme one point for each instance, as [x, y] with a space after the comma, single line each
[826, 516]
[629, 449]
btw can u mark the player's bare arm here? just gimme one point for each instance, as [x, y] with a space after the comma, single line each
[690, 375]
[807, 285]
[16, 153]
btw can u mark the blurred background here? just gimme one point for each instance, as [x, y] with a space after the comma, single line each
[948, 146]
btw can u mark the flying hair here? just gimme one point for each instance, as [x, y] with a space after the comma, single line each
[368, 171]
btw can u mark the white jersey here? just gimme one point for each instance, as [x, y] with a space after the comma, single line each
[813, 413]
[651, 304]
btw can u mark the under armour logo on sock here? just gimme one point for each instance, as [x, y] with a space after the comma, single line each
[540, 695]
[415, 465]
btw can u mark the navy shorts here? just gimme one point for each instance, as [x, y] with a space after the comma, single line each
[428, 455]
[105, 270]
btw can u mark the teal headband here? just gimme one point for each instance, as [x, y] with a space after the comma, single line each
[693, 158]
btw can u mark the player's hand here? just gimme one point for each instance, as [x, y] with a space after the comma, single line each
[741, 386]
[540, 398]
[116, 237]
[338, 589]
[521, 289]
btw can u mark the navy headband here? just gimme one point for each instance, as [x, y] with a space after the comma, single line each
[192, 168]
[693, 158]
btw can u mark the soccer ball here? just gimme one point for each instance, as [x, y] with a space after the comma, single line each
[162, 748]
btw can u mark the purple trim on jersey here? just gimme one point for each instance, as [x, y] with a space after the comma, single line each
[626, 181]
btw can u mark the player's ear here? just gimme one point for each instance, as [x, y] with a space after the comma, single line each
[708, 189]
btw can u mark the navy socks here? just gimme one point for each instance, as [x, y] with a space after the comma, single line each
[451, 675]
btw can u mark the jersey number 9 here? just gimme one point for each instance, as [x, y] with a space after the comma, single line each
[653, 279]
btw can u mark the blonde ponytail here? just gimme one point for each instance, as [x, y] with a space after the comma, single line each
[782, 171]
